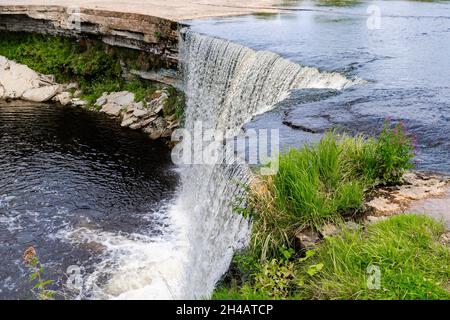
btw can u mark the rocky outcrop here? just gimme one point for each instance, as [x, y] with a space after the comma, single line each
[17, 81]
[416, 186]
[146, 115]
[421, 194]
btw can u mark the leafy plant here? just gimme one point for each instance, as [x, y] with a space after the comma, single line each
[36, 275]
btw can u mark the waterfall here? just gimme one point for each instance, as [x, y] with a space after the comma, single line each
[226, 84]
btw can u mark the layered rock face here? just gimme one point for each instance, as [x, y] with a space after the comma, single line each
[153, 35]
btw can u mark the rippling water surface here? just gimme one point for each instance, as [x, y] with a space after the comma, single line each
[66, 173]
[405, 60]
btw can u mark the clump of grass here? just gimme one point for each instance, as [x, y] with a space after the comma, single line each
[323, 183]
[381, 161]
[412, 264]
[314, 183]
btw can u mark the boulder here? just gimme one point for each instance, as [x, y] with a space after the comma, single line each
[15, 78]
[41, 94]
[63, 98]
[122, 98]
[112, 109]
[127, 122]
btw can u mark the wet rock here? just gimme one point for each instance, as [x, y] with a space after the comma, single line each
[94, 247]
[435, 207]
[309, 124]
[384, 206]
[41, 94]
[111, 109]
[416, 186]
[63, 98]
[420, 186]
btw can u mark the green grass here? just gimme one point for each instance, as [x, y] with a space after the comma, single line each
[323, 183]
[93, 65]
[329, 182]
[405, 248]
[413, 265]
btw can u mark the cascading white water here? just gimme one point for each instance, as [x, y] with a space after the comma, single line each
[226, 84]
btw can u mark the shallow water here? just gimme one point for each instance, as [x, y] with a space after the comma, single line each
[406, 64]
[67, 175]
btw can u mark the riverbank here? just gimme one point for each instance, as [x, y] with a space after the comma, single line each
[322, 228]
[91, 75]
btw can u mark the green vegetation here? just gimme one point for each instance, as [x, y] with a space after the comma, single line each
[36, 269]
[323, 183]
[339, 3]
[329, 182]
[95, 66]
[412, 264]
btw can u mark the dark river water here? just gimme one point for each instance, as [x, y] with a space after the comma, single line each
[66, 173]
[405, 59]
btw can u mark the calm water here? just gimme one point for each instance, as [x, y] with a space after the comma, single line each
[406, 64]
[67, 175]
